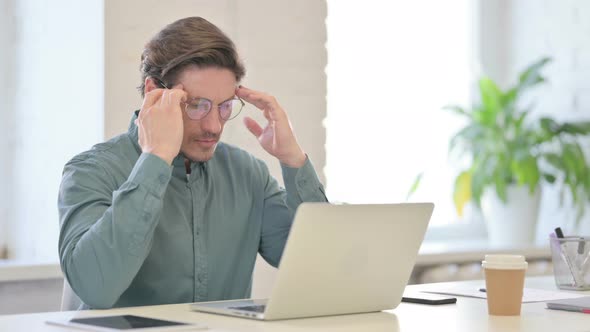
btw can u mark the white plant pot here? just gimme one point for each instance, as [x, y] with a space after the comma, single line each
[512, 223]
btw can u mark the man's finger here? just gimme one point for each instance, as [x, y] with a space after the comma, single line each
[267, 104]
[172, 97]
[253, 126]
[262, 101]
[151, 98]
[164, 99]
[184, 93]
[177, 96]
[250, 94]
[247, 90]
[256, 98]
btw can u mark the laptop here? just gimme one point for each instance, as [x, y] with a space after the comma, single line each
[339, 259]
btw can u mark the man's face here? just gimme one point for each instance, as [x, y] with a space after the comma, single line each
[201, 136]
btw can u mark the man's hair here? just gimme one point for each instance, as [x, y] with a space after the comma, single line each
[187, 42]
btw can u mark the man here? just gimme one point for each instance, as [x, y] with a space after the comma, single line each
[166, 213]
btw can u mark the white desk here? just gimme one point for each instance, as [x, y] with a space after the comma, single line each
[468, 314]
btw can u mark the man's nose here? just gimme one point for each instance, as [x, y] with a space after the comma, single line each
[212, 122]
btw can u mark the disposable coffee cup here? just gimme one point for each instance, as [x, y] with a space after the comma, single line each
[504, 283]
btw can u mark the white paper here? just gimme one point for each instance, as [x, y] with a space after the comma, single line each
[529, 294]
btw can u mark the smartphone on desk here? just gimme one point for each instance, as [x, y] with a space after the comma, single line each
[428, 298]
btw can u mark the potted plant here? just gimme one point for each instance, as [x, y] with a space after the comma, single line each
[511, 153]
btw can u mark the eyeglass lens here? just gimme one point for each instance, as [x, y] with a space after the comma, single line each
[201, 107]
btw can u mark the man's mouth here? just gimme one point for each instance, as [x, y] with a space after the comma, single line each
[206, 143]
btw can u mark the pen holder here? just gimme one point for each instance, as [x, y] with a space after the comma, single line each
[571, 262]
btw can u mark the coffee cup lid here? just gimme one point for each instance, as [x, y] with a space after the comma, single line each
[504, 262]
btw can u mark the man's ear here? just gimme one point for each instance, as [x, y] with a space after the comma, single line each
[149, 85]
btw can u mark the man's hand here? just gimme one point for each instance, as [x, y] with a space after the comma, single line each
[277, 137]
[160, 123]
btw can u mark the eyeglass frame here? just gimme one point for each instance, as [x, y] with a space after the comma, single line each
[159, 81]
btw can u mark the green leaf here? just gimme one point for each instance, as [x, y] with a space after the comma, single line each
[510, 97]
[415, 185]
[587, 183]
[549, 125]
[468, 136]
[573, 164]
[484, 117]
[549, 178]
[579, 158]
[478, 183]
[572, 187]
[457, 109]
[501, 187]
[554, 160]
[582, 128]
[531, 75]
[527, 172]
[482, 174]
[534, 176]
[491, 98]
[462, 191]
[519, 121]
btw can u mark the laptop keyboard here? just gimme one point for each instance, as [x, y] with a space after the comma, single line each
[255, 308]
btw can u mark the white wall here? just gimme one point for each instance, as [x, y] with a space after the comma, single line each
[526, 31]
[57, 107]
[561, 30]
[7, 91]
[283, 47]
[493, 37]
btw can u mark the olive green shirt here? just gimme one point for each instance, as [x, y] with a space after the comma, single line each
[136, 231]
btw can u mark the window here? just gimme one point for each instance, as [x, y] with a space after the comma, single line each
[392, 66]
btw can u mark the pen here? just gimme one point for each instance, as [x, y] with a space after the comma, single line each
[565, 256]
[581, 245]
[559, 233]
[584, 311]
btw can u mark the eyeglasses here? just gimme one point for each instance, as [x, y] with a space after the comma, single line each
[198, 108]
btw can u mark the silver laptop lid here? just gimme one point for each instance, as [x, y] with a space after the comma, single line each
[342, 259]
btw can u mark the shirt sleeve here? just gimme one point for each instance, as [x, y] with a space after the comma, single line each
[301, 185]
[106, 232]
